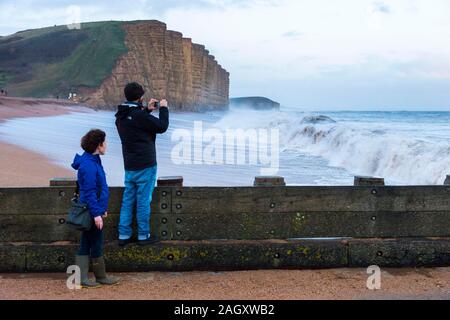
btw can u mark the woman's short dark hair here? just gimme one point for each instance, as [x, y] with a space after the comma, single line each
[92, 140]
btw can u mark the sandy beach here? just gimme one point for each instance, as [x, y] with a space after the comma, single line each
[20, 167]
[341, 284]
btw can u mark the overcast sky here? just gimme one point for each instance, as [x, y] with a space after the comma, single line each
[311, 54]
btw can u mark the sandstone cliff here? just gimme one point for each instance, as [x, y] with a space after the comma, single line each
[168, 66]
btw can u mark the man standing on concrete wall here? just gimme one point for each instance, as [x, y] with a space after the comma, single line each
[137, 129]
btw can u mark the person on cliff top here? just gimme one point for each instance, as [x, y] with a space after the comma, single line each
[93, 190]
[138, 129]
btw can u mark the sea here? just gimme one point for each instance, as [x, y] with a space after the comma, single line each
[231, 148]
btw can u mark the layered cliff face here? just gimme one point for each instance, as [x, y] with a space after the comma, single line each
[98, 60]
[168, 66]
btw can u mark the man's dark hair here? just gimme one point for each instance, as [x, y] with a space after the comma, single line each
[134, 91]
[92, 140]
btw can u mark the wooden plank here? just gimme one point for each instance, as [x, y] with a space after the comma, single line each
[50, 257]
[201, 255]
[269, 181]
[241, 226]
[12, 258]
[368, 181]
[170, 181]
[236, 255]
[399, 252]
[51, 228]
[63, 182]
[311, 225]
[294, 199]
[235, 200]
[57, 200]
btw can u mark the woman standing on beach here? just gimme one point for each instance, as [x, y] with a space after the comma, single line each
[93, 192]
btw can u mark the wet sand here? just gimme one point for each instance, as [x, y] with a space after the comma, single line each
[341, 284]
[23, 168]
[28, 107]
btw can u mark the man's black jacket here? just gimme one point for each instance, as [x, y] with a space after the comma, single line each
[137, 130]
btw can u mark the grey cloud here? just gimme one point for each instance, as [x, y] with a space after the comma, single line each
[35, 14]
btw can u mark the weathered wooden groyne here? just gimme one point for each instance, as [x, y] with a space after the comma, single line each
[215, 228]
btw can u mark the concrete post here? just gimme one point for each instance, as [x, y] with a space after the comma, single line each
[170, 181]
[269, 181]
[368, 181]
[63, 182]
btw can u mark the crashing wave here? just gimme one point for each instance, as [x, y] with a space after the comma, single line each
[395, 157]
[370, 149]
[317, 119]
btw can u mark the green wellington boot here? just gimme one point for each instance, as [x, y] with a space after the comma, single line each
[98, 265]
[83, 263]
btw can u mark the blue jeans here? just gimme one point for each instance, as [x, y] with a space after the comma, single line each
[91, 243]
[139, 186]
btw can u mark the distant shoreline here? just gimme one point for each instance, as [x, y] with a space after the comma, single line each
[20, 167]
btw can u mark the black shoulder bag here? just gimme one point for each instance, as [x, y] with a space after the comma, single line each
[79, 216]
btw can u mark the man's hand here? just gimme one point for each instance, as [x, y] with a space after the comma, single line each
[151, 105]
[99, 223]
[164, 103]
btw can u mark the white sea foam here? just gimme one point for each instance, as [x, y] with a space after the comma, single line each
[408, 151]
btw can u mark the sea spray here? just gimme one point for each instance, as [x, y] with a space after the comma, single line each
[389, 148]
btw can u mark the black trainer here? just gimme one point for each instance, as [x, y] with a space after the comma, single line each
[123, 243]
[149, 241]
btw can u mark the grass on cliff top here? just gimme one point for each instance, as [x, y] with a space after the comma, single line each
[95, 58]
[55, 61]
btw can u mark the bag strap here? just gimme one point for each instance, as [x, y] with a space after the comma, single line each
[76, 195]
